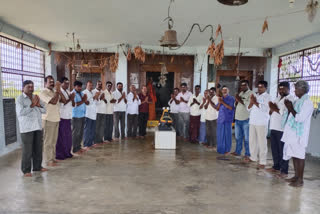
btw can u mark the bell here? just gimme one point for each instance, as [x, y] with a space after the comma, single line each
[233, 2]
[169, 39]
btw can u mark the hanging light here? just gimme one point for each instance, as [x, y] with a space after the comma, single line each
[233, 2]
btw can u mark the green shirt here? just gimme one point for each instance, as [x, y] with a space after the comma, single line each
[242, 110]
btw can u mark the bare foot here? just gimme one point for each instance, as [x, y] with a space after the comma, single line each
[53, 164]
[272, 170]
[43, 169]
[247, 160]
[27, 174]
[282, 175]
[235, 154]
[116, 139]
[293, 179]
[297, 183]
[260, 166]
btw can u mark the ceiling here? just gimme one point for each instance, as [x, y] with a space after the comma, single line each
[103, 22]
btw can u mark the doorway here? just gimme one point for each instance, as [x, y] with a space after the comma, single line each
[229, 79]
[162, 91]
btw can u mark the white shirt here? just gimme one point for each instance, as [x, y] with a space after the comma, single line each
[195, 108]
[276, 118]
[174, 108]
[259, 116]
[183, 107]
[211, 113]
[30, 119]
[295, 146]
[109, 97]
[133, 106]
[101, 105]
[66, 109]
[122, 106]
[91, 109]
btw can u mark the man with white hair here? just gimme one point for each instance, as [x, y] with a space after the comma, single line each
[296, 122]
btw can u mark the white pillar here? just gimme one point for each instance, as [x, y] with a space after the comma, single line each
[122, 71]
[201, 74]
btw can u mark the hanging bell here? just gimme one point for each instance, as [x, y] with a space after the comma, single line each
[169, 39]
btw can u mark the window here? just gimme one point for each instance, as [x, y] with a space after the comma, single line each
[302, 65]
[20, 62]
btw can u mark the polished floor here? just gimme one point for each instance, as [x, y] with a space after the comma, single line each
[132, 178]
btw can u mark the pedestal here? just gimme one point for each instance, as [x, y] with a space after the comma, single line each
[165, 139]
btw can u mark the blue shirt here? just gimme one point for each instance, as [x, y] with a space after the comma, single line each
[78, 111]
[225, 114]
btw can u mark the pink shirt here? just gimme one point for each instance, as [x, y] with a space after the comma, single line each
[184, 107]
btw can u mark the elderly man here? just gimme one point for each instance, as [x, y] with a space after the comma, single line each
[296, 123]
[78, 115]
[51, 119]
[225, 119]
[108, 129]
[242, 119]
[277, 109]
[64, 142]
[259, 120]
[29, 108]
[211, 116]
[132, 112]
[184, 111]
[194, 104]
[119, 108]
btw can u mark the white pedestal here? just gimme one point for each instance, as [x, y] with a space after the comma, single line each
[165, 139]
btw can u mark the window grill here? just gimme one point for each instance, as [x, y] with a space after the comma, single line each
[20, 62]
[302, 65]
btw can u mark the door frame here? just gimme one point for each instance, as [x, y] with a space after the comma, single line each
[244, 75]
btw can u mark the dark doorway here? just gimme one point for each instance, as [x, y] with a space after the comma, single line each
[162, 92]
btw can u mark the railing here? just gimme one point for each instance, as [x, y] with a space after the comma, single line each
[302, 65]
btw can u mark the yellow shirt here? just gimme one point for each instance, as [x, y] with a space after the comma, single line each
[53, 111]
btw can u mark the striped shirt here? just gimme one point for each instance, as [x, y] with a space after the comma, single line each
[29, 118]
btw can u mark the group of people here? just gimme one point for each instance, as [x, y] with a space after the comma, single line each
[207, 119]
[58, 121]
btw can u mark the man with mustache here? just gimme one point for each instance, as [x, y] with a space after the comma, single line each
[51, 96]
[29, 109]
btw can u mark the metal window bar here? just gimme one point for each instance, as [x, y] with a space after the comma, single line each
[302, 65]
[20, 62]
